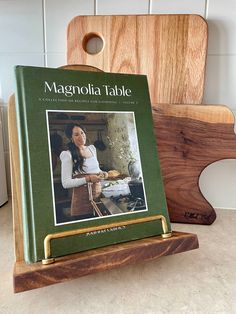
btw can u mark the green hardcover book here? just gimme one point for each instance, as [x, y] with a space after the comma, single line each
[88, 158]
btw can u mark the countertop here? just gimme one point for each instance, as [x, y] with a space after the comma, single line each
[198, 281]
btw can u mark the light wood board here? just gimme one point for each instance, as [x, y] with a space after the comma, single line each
[15, 181]
[169, 49]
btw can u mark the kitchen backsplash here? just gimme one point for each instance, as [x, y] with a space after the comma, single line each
[33, 32]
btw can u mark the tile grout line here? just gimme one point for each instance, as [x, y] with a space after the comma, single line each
[95, 7]
[206, 11]
[10, 53]
[225, 208]
[150, 7]
[44, 33]
[222, 54]
[23, 53]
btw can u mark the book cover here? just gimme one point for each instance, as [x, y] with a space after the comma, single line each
[88, 158]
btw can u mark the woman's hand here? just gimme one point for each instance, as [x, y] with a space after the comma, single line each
[93, 178]
[103, 175]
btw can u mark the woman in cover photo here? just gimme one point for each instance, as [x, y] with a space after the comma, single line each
[80, 171]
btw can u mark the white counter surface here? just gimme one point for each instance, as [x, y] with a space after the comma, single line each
[199, 281]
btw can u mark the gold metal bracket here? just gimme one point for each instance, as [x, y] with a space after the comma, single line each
[47, 241]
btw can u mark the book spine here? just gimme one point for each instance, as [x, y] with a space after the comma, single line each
[27, 203]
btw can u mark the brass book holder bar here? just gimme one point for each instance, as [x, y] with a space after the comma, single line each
[47, 241]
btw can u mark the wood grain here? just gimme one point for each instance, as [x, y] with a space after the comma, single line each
[80, 67]
[27, 277]
[15, 181]
[169, 49]
[189, 138]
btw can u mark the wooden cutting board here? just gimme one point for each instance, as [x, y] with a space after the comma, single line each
[189, 138]
[169, 49]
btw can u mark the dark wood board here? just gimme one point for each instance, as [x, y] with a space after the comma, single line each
[32, 276]
[189, 138]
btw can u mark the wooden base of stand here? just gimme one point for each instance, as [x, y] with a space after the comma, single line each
[32, 276]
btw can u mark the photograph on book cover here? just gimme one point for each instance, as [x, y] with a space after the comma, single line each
[95, 165]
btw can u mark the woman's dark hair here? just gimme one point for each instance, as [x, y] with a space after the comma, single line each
[56, 143]
[77, 159]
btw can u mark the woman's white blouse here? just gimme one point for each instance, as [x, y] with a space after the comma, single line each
[91, 165]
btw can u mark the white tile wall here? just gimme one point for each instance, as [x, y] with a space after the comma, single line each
[33, 32]
[220, 176]
[120, 7]
[220, 80]
[178, 7]
[55, 60]
[7, 63]
[57, 16]
[221, 16]
[21, 28]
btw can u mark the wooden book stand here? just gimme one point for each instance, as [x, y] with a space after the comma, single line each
[36, 275]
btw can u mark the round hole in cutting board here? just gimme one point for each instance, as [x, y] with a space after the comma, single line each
[93, 43]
